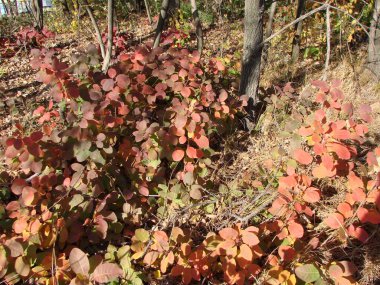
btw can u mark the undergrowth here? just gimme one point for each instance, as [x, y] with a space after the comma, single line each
[100, 191]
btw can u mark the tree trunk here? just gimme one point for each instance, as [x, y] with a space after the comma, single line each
[374, 41]
[268, 33]
[65, 9]
[108, 55]
[161, 22]
[96, 28]
[198, 25]
[253, 37]
[37, 10]
[10, 8]
[16, 7]
[6, 9]
[298, 31]
[148, 12]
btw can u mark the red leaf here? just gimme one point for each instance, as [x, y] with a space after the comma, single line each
[286, 253]
[358, 233]
[341, 150]
[112, 72]
[36, 136]
[320, 115]
[321, 172]
[334, 221]
[345, 209]
[123, 81]
[178, 154]
[295, 229]
[194, 153]
[312, 195]
[17, 186]
[107, 84]
[20, 225]
[365, 113]
[322, 85]
[201, 141]
[223, 95]
[354, 182]
[305, 131]
[28, 195]
[302, 156]
[186, 92]
[368, 216]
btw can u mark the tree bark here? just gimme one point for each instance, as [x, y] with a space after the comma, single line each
[161, 22]
[298, 31]
[268, 33]
[10, 8]
[108, 55]
[96, 28]
[253, 37]
[374, 41]
[65, 9]
[6, 9]
[148, 12]
[16, 7]
[37, 10]
[198, 25]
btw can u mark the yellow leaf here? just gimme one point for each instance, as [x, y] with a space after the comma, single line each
[283, 276]
[292, 280]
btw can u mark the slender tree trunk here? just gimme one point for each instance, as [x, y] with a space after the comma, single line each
[108, 55]
[161, 22]
[198, 25]
[96, 28]
[16, 7]
[65, 9]
[6, 9]
[374, 41]
[148, 12]
[268, 33]
[253, 37]
[10, 8]
[37, 10]
[298, 31]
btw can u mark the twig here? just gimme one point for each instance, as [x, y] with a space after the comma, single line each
[291, 24]
[328, 32]
[257, 211]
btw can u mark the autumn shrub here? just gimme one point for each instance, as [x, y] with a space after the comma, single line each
[117, 153]
[24, 39]
[105, 141]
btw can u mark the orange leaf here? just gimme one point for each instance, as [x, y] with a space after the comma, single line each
[295, 229]
[322, 172]
[312, 195]
[250, 238]
[345, 209]
[245, 256]
[228, 234]
[302, 156]
[341, 150]
[201, 141]
[334, 221]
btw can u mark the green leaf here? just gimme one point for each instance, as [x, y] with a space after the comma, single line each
[97, 157]
[308, 273]
[82, 150]
[142, 235]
